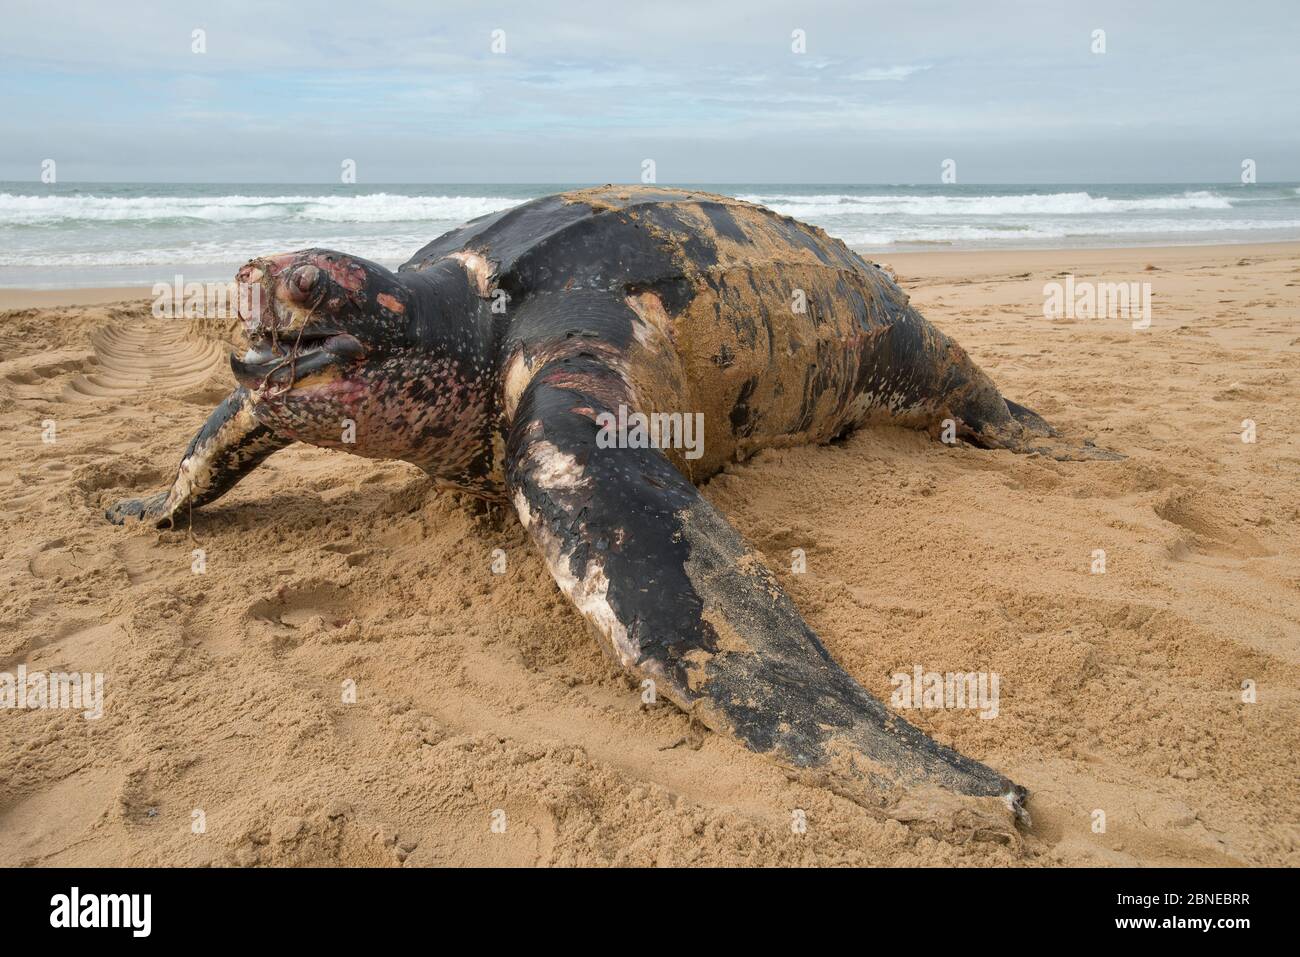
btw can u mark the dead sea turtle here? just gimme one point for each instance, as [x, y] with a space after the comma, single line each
[500, 357]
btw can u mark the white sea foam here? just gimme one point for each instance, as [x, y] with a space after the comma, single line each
[1056, 204]
[392, 250]
[963, 234]
[163, 230]
[393, 207]
[397, 248]
[366, 208]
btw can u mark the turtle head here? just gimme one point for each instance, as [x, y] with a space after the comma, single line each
[346, 354]
[314, 319]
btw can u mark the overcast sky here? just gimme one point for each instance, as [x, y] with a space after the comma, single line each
[711, 91]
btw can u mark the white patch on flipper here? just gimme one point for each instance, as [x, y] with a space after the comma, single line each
[525, 513]
[1014, 802]
[556, 469]
[591, 598]
[518, 375]
[481, 271]
[194, 474]
[589, 595]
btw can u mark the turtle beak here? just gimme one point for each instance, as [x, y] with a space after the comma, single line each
[281, 365]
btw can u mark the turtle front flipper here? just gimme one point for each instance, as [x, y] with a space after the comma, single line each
[678, 598]
[229, 446]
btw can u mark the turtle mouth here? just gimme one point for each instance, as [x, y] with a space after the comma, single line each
[274, 365]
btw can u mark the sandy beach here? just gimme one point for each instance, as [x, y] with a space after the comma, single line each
[480, 698]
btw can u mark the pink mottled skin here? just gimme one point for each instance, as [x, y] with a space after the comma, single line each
[411, 407]
[387, 394]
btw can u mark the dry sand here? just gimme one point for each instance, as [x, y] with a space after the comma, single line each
[478, 693]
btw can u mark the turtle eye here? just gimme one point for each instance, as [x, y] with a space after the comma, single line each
[303, 282]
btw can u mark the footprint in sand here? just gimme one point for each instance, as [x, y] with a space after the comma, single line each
[296, 614]
[293, 606]
[29, 377]
[138, 356]
[1209, 526]
[140, 559]
[67, 561]
[118, 474]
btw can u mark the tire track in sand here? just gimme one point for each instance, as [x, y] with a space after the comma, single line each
[138, 356]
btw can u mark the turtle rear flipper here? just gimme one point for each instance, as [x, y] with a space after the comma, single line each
[1030, 420]
[1028, 433]
[989, 420]
[936, 384]
[679, 599]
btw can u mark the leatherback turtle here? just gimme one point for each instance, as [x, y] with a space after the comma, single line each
[497, 358]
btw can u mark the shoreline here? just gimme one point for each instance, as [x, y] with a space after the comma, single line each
[908, 262]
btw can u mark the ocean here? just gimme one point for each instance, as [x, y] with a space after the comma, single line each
[105, 234]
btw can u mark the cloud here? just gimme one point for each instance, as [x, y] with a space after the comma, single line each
[588, 89]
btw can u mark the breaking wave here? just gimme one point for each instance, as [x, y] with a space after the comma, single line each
[21, 210]
[1049, 204]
